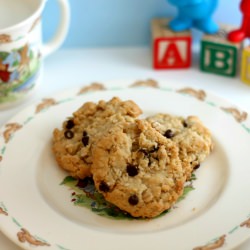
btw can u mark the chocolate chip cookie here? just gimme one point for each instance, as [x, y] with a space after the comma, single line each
[72, 145]
[192, 137]
[138, 169]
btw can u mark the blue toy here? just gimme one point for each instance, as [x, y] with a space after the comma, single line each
[194, 13]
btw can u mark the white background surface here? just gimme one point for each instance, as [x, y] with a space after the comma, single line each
[75, 68]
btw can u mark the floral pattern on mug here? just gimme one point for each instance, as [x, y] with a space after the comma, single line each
[18, 70]
[4, 38]
[35, 23]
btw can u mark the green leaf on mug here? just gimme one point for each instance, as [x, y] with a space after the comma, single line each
[16, 63]
[3, 55]
[31, 55]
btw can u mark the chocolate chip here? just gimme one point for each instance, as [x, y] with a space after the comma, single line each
[169, 133]
[197, 166]
[185, 124]
[103, 187]
[154, 149]
[133, 200]
[70, 124]
[68, 134]
[85, 140]
[144, 152]
[135, 146]
[84, 133]
[83, 183]
[147, 153]
[132, 170]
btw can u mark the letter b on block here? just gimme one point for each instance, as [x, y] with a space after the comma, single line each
[219, 58]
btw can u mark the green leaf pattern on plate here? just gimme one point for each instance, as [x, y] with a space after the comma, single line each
[84, 194]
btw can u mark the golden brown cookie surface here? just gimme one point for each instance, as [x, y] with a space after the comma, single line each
[192, 137]
[138, 169]
[73, 143]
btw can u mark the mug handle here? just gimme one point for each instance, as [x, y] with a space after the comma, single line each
[62, 30]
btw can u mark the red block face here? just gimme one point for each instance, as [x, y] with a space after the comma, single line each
[172, 53]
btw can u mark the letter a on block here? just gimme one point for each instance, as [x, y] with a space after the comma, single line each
[172, 56]
[172, 53]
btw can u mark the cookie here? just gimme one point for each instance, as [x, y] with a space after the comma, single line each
[72, 145]
[192, 137]
[138, 169]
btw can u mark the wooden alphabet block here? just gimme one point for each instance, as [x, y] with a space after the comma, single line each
[171, 50]
[245, 65]
[218, 55]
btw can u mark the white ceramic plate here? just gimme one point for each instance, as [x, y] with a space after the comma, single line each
[36, 210]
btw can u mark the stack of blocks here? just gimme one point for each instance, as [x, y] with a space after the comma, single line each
[173, 50]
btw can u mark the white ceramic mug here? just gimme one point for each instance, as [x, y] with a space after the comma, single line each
[21, 48]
